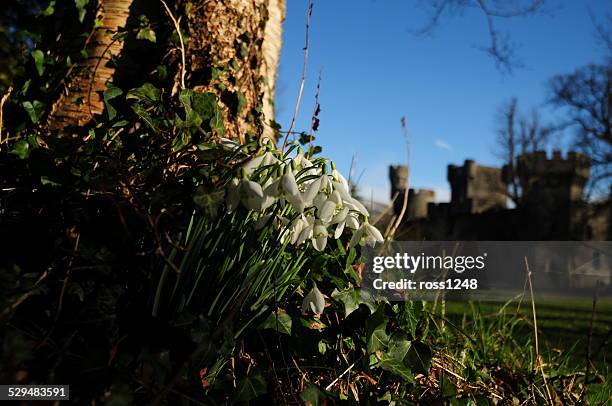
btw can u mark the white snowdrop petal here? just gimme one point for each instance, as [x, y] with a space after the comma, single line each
[319, 243]
[305, 234]
[340, 216]
[319, 200]
[314, 301]
[360, 207]
[327, 210]
[232, 198]
[250, 166]
[269, 158]
[339, 230]
[312, 190]
[373, 231]
[297, 202]
[344, 192]
[356, 239]
[251, 188]
[352, 221]
[289, 184]
[335, 197]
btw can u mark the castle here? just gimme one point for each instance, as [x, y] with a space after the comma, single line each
[551, 205]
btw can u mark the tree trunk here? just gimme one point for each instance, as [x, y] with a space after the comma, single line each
[81, 100]
[233, 50]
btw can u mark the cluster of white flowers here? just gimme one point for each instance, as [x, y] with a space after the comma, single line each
[314, 204]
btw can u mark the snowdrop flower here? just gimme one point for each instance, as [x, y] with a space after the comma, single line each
[320, 201]
[251, 194]
[319, 236]
[341, 180]
[313, 301]
[345, 219]
[329, 207]
[296, 228]
[301, 161]
[267, 158]
[307, 230]
[311, 191]
[366, 234]
[289, 184]
[232, 198]
[355, 204]
[286, 187]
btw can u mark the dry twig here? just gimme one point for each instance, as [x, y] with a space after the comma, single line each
[177, 27]
[303, 79]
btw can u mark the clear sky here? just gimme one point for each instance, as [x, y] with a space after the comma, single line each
[376, 70]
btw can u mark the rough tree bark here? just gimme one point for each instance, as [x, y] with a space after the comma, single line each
[233, 51]
[237, 43]
[81, 99]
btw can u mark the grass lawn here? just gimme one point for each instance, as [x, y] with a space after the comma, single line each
[564, 325]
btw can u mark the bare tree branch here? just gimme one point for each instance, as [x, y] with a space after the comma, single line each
[586, 97]
[500, 48]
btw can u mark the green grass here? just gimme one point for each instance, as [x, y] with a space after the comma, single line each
[564, 326]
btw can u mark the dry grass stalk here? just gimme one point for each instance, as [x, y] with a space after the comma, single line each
[538, 363]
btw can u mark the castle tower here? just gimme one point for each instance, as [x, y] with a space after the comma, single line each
[475, 188]
[418, 201]
[398, 176]
[552, 192]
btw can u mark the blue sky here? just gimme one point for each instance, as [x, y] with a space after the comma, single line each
[375, 70]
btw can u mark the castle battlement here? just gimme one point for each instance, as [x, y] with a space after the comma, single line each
[537, 164]
[561, 179]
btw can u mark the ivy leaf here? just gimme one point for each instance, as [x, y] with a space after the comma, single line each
[192, 118]
[250, 387]
[49, 10]
[35, 109]
[397, 367]
[146, 93]
[162, 72]
[349, 298]
[399, 345]
[46, 181]
[21, 149]
[419, 357]
[81, 8]
[204, 104]
[209, 201]
[278, 321]
[313, 395]
[376, 334]
[109, 94]
[144, 116]
[216, 122]
[39, 61]
[146, 33]
[377, 340]
[181, 141]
